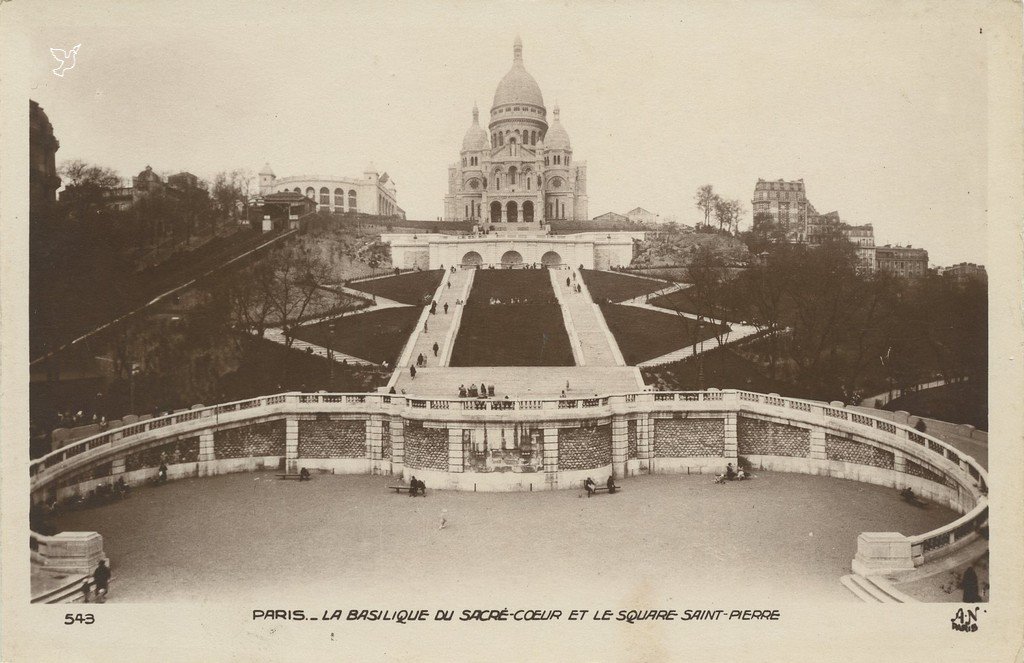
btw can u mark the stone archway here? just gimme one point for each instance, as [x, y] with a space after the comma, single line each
[512, 212]
[527, 211]
[551, 259]
[473, 258]
[495, 212]
[510, 258]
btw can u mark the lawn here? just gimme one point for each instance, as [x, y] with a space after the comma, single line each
[409, 288]
[528, 333]
[721, 368]
[526, 285]
[644, 334]
[376, 336]
[615, 287]
[960, 403]
[679, 300]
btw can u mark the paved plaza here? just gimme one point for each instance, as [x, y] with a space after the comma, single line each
[339, 538]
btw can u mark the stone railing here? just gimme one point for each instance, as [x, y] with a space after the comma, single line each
[649, 432]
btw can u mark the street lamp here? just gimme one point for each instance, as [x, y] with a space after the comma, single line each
[330, 352]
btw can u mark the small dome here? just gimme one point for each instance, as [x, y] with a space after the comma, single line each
[266, 170]
[557, 137]
[476, 137]
[518, 86]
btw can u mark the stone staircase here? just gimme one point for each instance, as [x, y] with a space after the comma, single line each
[524, 382]
[583, 319]
[874, 589]
[441, 328]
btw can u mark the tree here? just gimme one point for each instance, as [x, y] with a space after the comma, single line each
[705, 201]
[87, 185]
[299, 272]
[728, 214]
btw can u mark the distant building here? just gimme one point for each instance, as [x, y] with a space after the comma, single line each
[903, 261]
[42, 150]
[611, 217]
[373, 194]
[963, 272]
[640, 215]
[863, 237]
[787, 204]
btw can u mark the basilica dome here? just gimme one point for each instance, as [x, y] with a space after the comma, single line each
[557, 137]
[476, 137]
[518, 86]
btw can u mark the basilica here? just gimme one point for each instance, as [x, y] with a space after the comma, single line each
[520, 170]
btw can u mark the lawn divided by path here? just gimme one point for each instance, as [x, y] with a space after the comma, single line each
[529, 333]
[376, 336]
[414, 288]
[644, 334]
[614, 287]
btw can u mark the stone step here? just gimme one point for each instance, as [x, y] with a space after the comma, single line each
[848, 582]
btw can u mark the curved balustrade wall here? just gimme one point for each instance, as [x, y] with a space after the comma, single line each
[530, 445]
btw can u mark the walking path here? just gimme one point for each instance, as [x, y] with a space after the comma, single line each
[643, 299]
[583, 319]
[737, 332]
[438, 328]
[277, 336]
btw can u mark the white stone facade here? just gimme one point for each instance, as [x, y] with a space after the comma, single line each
[373, 193]
[521, 170]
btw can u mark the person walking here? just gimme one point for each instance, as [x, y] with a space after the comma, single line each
[444, 518]
[446, 308]
[412, 372]
[436, 348]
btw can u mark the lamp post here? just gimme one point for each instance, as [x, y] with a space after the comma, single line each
[330, 352]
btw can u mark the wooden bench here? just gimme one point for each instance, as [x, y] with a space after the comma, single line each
[604, 489]
[298, 477]
[400, 488]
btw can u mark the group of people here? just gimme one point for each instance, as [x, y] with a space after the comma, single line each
[433, 305]
[484, 391]
[733, 474]
[417, 487]
[592, 487]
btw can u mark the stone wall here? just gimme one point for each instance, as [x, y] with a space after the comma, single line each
[756, 437]
[171, 453]
[426, 448]
[263, 439]
[851, 451]
[417, 258]
[584, 448]
[332, 439]
[684, 438]
[385, 439]
[919, 470]
[97, 472]
[631, 439]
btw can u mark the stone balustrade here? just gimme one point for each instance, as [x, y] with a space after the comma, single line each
[541, 444]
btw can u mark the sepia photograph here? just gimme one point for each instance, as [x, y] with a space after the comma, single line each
[673, 320]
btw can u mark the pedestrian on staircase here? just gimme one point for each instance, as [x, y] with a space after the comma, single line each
[446, 308]
[412, 372]
[436, 348]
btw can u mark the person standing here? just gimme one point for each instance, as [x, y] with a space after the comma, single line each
[412, 372]
[101, 576]
[436, 348]
[446, 305]
[444, 518]
[970, 585]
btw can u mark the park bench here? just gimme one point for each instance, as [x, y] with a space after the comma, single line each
[297, 477]
[604, 489]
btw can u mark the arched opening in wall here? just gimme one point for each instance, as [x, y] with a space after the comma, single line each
[310, 193]
[473, 259]
[339, 199]
[325, 196]
[298, 190]
[512, 212]
[528, 212]
[495, 212]
[512, 176]
[352, 200]
[510, 258]
[551, 259]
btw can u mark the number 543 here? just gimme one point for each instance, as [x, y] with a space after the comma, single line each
[79, 618]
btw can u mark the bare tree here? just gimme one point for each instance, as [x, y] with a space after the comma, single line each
[299, 273]
[705, 200]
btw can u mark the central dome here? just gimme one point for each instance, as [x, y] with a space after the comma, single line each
[518, 86]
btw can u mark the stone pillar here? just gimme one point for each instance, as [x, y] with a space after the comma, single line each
[620, 445]
[397, 445]
[551, 450]
[117, 467]
[731, 440]
[206, 453]
[880, 553]
[818, 444]
[374, 440]
[899, 461]
[645, 443]
[455, 455]
[291, 445]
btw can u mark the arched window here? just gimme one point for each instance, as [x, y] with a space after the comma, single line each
[463, 161]
[325, 196]
[512, 176]
[298, 190]
[546, 161]
[495, 212]
[352, 200]
[310, 193]
[539, 181]
[567, 157]
[533, 137]
[339, 199]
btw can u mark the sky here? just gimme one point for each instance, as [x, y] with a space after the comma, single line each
[881, 108]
